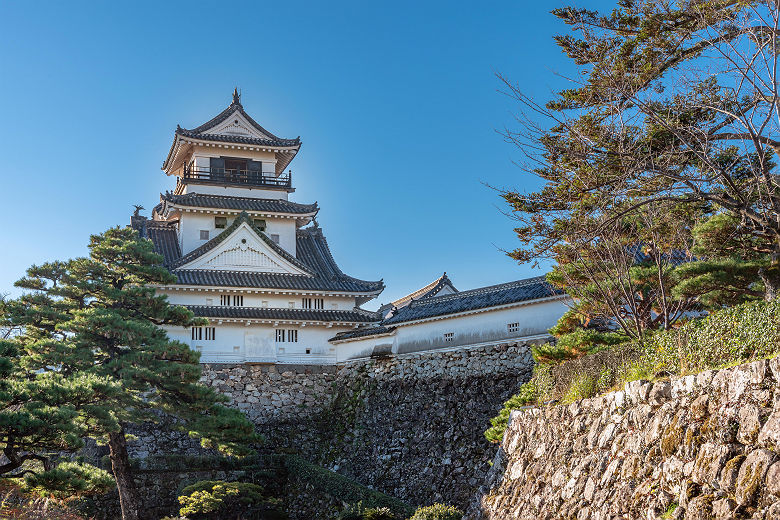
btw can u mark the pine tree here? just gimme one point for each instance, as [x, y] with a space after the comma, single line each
[107, 307]
[673, 102]
[44, 415]
[729, 267]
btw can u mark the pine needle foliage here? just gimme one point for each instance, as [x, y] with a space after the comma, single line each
[99, 317]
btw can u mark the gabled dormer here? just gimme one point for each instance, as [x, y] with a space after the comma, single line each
[231, 150]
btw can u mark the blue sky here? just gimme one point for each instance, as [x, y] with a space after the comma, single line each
[396, 104]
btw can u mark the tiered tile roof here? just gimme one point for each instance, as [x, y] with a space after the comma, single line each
[482, 298]
[198, 200]
[312, 256]
[284, 157]
[264, 313]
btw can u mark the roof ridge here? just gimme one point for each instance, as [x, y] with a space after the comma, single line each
[478, 290]
[235, 106]
[315, 231]
[424, 290]
[234, 271]
[183, 198]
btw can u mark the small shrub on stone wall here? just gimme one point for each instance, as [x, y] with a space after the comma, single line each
[219, 499]
[527, 395]
[437, 512]
[379, 513]
[352, 512]
[735, 335]
[738, 334]
[342, 488]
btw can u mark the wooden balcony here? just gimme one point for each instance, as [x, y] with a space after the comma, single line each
[228, 177]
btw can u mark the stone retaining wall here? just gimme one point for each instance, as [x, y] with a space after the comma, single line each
[410, 426]
[696, 447]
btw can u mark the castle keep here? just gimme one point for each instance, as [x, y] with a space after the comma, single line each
[258, 267]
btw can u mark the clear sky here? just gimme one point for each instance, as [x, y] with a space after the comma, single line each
[396, 103]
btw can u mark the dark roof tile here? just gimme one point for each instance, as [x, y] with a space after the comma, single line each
[362, 332]
[356, 315]
[163, 236]
[429, 291]
[503, 294]
[201, 132]
[197, 200]
[313, 256]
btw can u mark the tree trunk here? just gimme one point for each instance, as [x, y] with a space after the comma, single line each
[128, 498]
[771, 277]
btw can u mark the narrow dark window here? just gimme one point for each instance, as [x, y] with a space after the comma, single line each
[292, 336]
[275, 239]
[210, 333]
[306, 303]
[513, 327]
[319, 303]
[279, 335]
[238, 300]
[220, 222]
[260, 224]
[449, 336]
[197, 333]
[204, 234]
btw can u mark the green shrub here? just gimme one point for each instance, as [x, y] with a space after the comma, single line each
[737, 334]
[68, 479]
[216, 498]
[575, 344]
[526, 395]
[379, 513]
[583, 387]
[437, 512]
[352, 512]
[342, 488]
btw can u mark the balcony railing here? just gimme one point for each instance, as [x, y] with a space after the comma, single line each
[236, 177]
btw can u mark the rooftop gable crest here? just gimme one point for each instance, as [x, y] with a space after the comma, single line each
[242, 247]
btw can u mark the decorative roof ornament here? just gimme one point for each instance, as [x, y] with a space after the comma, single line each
[138, 208]
[236, 96]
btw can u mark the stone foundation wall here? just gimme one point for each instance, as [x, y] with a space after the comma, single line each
[696, 447]
[410, 426]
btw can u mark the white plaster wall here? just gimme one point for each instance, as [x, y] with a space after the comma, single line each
[238, 343]
[471, 329]
[192, 223]
[234, 191]
[278, 301]
[285, 228]
[200, 151]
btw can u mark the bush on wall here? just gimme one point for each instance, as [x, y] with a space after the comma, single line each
[734, 335]
[437, 512]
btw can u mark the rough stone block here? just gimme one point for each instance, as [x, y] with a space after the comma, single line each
[660, 393]
[709, 462]
[773, 479]
[770, 433]
[751, 475]
[774, 366]
[749, 424]
[723, 509]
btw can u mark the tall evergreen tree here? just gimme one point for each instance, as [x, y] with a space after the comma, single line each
[44, 415]
[728, 267]
[674, 102]
[106, 307]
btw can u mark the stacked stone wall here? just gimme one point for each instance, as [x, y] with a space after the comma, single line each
[410, 426]
[704, 446]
